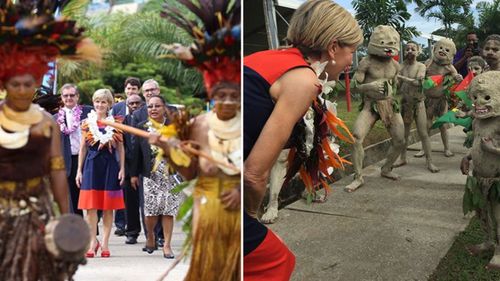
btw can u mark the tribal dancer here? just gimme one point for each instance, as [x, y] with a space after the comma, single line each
[32, 174]
[216, 212]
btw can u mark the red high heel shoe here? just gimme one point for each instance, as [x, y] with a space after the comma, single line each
[105, 254]
[93, 252]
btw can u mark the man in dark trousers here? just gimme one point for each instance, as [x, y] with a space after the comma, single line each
[131, 88]
[132, 194]
[69, 119]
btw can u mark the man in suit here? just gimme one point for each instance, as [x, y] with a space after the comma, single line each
[131, 88]
[132, 193]
[150, 88]
[69, 119]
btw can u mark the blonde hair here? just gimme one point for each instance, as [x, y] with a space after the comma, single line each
[316, 23]
[103, 94]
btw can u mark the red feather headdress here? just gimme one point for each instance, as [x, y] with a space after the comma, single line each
[216, 47]
[31, 37]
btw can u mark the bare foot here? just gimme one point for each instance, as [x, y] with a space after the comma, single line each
[269, 216]
[432, 168]
[355, 184]
[477, 249]
[419, 154]
[448, 153]
[390, 175]
[494, 263]
[399, 163]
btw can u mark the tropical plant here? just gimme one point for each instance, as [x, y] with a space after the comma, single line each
[489, 17]
[448, 12]
[371, 13]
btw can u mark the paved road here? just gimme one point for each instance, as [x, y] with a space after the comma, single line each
[130, 263]
[387, 230]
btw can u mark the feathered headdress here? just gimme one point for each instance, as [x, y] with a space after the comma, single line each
[31, 37]
[216, 47]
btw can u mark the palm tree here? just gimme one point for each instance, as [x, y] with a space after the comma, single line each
[489, 17]
[371, 13]
[448, 12]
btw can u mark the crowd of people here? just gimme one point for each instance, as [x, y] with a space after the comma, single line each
[76, 161]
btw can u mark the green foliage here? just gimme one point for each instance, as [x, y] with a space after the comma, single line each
[87, 89]
[131, 44]
[371, 13]
[447, 12]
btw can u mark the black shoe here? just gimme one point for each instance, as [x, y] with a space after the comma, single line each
[149, 250]
[120, 232]
[131, 240]
[160, 242]
[169, 256]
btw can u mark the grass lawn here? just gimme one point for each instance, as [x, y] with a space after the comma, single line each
[458, 265]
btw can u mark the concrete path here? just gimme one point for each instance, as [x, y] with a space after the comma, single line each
[387, 230]
[130, 263]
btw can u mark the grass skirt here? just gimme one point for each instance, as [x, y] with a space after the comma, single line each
[216, 242]
[25, 209]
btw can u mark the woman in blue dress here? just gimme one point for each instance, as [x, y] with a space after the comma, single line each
[100, 174]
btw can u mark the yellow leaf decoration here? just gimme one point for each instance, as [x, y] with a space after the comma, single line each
[179, 157]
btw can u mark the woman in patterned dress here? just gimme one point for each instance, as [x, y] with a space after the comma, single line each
[100, 175]
[159, 202]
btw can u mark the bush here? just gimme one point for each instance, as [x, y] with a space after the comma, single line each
[88, 87]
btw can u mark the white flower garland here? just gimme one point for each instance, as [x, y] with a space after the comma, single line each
[94, 129]
[326, 86]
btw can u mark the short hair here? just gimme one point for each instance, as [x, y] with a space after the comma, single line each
[224, 85]
[133, 96]
[161, 98]
[492, 37]
[104, 94]
[151, 81]
[134, 81]
[317, 23]
[69, 86]
[477, 59]
[471, 32]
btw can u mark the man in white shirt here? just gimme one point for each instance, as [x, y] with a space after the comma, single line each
[69, 119]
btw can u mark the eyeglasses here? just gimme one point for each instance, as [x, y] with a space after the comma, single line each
[69, 96]
[150, 90]
[155, 106]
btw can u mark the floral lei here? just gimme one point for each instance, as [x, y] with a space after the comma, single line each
[94, 135]
[61, 116]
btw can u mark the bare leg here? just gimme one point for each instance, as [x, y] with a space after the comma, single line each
[150, 226]
[421, 121]
[362, 126]
[276, 179]
[107, 218]
[402, 159]
[444, 138]
[421, 153]
[92, 221]
[495, 260]
[168, 226]
[397, 134]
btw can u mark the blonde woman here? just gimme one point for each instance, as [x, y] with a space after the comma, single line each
[280, 86]
[100, 175]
